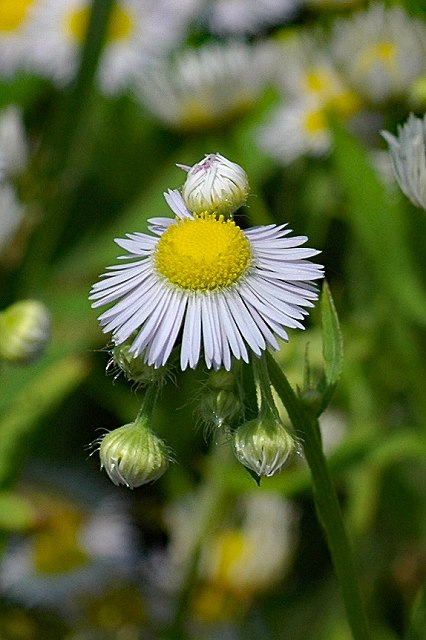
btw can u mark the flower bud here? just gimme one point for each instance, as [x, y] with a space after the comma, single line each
[132, 455]
[215, 185]
[219, 407]
[24, 331]
[263, 445]
[134, 368]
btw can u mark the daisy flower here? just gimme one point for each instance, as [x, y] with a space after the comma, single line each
[15, 15]
[294, 130]
[408, 155]
[138, 31]
[238, 17]
[221, 290]
[206, 86]
[304, 70]
[381, 51]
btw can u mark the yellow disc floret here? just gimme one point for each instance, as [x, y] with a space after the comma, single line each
[120, 24]
[13, 13]
[203, 253]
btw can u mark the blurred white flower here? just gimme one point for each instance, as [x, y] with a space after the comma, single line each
[15, 18]
[204, 87]
[138, 31]
[226, 17]
[77, 549]
[248, 551]
[380, 51]
[408, 155]
[304, 70]
[294, 130]
[251, 556]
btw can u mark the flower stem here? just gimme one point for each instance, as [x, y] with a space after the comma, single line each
[326, 503]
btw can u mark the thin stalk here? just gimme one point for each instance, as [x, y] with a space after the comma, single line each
[326, 503]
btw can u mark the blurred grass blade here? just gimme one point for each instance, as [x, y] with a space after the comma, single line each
[34, 400]
[378, 225]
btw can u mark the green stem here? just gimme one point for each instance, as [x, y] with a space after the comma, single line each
[148, 403]
[327, 506]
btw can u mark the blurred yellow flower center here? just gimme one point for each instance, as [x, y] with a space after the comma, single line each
[13, 13]
[120, 24]
[204, 253]
[315, 121]
[383, 52]
[318, 81]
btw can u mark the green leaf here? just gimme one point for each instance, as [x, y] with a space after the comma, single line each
[332, 341]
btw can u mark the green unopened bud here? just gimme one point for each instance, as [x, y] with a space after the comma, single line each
[215, 185]
[263, 445]
[24, 331]
[219, 407]
[134, 368]
[132, 455]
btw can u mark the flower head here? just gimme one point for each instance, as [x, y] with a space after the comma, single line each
[408, 154]
[204, 87]
[215, 185]
[380, 51]
[263, 445]
[221, 289]
[293, 130]
[132, 455]
[24, 331]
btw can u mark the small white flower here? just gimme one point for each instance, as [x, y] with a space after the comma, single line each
[381, 51]
[227, 17]
[138, 31]
[206, 86]
[408, 155]
[221, 288]
[215, 185]
[294, 130]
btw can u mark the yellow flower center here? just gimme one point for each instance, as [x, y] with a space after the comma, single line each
[315, 121]
[13, 13]
[203, 254]
[382, 52]
[120, 24]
